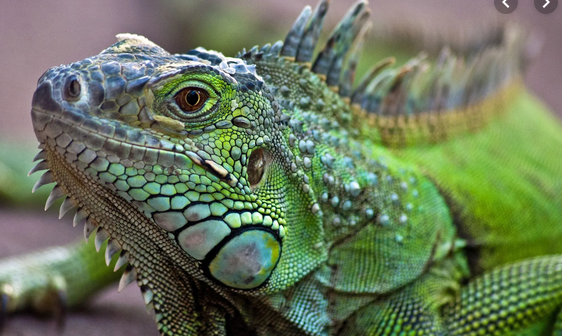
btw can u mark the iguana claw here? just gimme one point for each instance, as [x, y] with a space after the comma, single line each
[4, 300]
[52, 301]
[60, 309]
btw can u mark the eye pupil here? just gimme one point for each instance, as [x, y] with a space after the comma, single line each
[192, 98]
[72, 88]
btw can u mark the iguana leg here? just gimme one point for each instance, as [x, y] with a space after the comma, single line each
[412, 310]
[517, 299]
[520, 299]
[52, 280]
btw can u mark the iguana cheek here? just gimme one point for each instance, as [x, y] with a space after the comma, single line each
[247, 260]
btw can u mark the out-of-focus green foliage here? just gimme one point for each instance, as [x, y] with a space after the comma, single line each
[15, 162]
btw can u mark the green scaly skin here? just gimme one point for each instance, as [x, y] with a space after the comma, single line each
[261, 195]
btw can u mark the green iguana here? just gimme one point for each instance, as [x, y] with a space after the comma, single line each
[264, 194]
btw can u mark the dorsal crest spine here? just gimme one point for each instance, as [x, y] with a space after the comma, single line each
[434, 98]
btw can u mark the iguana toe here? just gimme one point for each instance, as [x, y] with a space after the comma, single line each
[4, 300]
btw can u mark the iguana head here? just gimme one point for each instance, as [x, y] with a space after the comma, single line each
[195, 142]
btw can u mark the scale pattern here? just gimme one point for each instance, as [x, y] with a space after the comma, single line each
[265, 194]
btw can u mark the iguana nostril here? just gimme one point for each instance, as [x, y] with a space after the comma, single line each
[43, 100]
[72, 88]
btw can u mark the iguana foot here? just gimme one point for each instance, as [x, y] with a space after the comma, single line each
[51, 281]
[4, 299]
[28, 288]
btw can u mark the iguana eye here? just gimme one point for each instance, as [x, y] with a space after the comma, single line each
[256, 167]
[72, 88]
[191, 98]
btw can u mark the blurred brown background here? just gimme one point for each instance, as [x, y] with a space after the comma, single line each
[37, 35]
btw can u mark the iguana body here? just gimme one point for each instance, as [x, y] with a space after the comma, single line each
[262, 195]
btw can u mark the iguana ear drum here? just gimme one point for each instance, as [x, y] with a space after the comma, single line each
[246, 260]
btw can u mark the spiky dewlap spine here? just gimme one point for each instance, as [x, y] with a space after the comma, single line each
[515, 298]
[105, 215]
